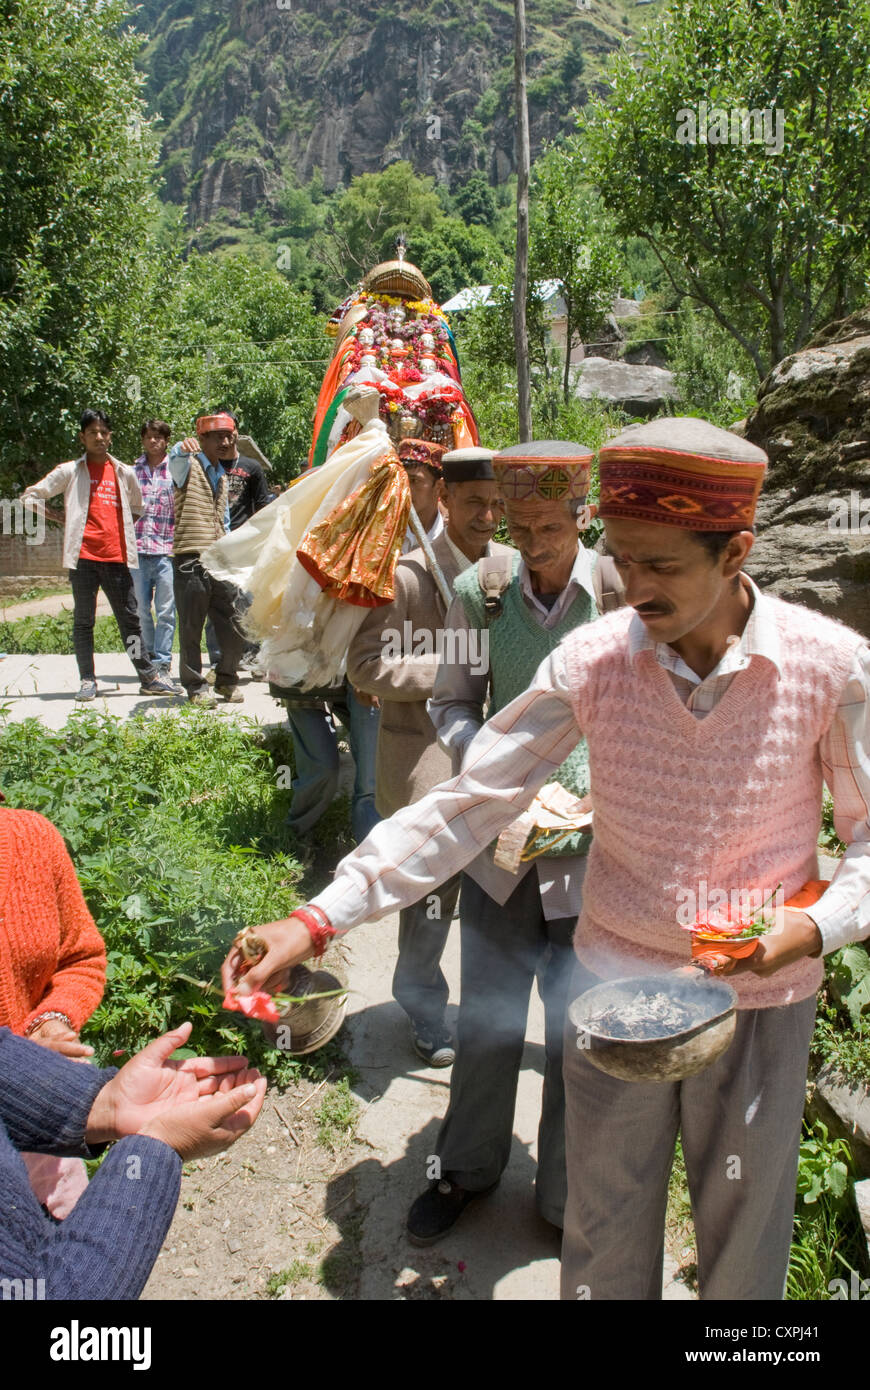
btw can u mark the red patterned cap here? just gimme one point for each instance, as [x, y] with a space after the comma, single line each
[678, 471]
[421, 451]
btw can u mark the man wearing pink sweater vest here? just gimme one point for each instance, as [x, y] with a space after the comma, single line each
[713, 715]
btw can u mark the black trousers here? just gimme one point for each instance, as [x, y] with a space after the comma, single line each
[116, 582]
[198, 596]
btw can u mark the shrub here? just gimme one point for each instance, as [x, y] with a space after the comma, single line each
[175, 826]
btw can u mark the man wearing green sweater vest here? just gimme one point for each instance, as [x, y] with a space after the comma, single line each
[514, 923]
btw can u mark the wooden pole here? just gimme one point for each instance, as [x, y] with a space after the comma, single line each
[521, 272]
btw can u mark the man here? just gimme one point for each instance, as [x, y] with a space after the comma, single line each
[311, 715]
[712, 714]
[422, 460]
[248, 493]
[99, 549]
[311, 719]
[202, 516]
[152, 579]
[513, 924]
[395, 656]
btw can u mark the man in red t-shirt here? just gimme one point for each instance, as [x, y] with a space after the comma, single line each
[100, 496]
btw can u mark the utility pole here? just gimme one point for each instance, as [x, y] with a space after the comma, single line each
[521, 271]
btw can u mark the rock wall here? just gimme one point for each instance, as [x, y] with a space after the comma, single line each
[813, 419]
[249, 91]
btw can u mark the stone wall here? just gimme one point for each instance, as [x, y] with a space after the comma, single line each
[21, 557]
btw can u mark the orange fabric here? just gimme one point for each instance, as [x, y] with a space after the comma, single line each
[103, 537]
[51, 955]
[353, 552]
[464, 435]
[333, 380]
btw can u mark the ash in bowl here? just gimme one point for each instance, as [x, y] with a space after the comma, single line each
[644, 1017]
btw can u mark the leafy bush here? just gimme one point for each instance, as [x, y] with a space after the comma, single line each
[828, 1239]
[175, 825]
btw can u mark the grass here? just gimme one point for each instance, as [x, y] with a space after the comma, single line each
[45, 634]
[337, 1117]
[295, 1273]
[37, 592]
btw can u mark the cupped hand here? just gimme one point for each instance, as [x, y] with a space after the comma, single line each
[212, 1123]
[151, 1083]
[798, 936]
[289, 943]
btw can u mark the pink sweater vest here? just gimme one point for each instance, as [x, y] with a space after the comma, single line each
[732, 800]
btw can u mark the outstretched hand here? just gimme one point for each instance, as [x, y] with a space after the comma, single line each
[151, 1084]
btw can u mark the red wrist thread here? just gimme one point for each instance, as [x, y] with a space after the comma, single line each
[319, 927]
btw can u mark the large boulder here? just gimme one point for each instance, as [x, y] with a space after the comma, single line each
[813, 420]
[635, 389]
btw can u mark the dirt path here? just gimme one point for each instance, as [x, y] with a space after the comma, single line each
[288, 1213]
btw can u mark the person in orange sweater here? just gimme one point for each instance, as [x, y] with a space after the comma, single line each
[52, 967]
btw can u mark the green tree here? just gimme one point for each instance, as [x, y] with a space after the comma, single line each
[572, 241]
[76, 154]
[235, 333]
[363, 226]
[474, 201]
[765, 225]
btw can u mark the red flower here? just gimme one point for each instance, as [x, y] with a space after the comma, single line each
[258, 1005]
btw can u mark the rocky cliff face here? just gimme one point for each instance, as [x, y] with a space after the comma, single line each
[813, 419]
[250, 90]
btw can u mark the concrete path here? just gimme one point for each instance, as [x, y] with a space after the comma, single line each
[44, 688]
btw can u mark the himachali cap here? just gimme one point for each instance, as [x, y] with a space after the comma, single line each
[679, 471]
[214, 422]
[468, 466]
[546, 470]
[426, 451]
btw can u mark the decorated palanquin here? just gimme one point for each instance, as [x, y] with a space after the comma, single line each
[391, 334]
[324, 552]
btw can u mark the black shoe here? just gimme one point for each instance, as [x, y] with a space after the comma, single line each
[434, 1045]
[436, 1211]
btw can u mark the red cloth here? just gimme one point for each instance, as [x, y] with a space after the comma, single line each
[51, 955]
[103, 538]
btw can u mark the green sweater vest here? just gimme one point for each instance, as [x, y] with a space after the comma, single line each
[517, 646]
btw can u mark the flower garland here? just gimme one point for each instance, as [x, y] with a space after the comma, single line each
[437, 409]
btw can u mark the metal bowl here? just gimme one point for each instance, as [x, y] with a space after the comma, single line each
[671, 1056]
[306, 1026]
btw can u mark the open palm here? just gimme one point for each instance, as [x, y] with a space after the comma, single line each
[150, 1083]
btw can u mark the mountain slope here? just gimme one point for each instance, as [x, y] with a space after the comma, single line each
[250, 92]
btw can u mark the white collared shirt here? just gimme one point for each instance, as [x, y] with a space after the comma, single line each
[521, 747]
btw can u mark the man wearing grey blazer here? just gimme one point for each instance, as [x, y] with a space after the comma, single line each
[395, 656]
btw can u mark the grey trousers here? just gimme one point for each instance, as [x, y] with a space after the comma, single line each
[740, 1121]
[503, 949]
[418, 980]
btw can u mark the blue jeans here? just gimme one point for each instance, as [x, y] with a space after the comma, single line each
[315, 747]
[153, 581]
